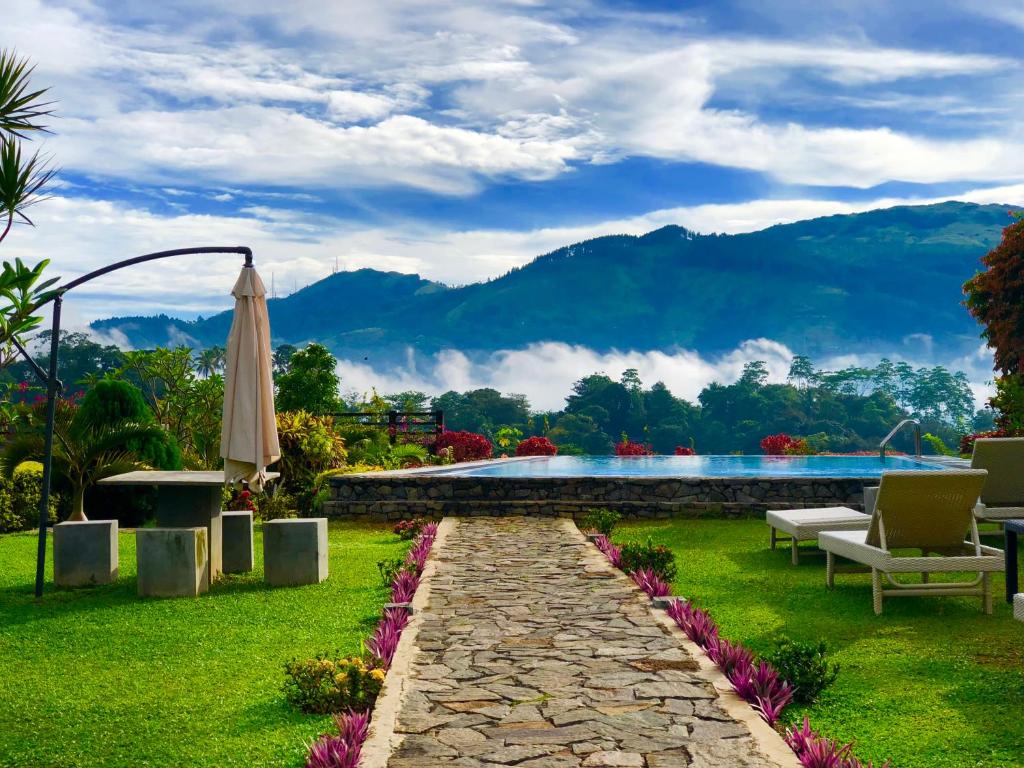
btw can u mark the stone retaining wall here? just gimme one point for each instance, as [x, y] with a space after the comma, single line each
[399, 495]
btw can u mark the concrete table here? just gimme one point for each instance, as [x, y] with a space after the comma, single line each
[187, 500]
[1011, 529]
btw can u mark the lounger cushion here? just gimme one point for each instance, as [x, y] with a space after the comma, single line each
[805, 524]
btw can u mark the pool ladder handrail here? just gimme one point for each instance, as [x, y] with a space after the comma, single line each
[917, 437]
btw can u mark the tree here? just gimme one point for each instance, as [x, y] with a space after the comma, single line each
[801, 372]
[755, 374]
[995, 298]
[211, 361]
[311, 384]
[83, 362]
[408, 401]
[282, 360]
[84, 450]
[188, 406]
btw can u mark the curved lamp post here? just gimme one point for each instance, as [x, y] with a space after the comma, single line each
[54, 386]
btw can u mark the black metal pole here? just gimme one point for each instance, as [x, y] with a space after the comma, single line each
[52, 391]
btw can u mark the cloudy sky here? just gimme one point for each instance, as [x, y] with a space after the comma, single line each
[458, 139]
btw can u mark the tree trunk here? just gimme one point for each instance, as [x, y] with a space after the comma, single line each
[78, 504]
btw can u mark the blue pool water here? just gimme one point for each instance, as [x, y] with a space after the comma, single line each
[692, 466]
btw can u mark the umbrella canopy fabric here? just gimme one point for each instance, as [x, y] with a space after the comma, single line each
[248, 440]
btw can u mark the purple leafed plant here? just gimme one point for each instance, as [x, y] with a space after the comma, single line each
[404, 587]
[698, 626]
[761, 686]
[649, 582]
[353, 726]
[813, 751]
[609, 550]
[343, 750]
[731, 657]
[429, 531]
[385, 638]
[417, 556]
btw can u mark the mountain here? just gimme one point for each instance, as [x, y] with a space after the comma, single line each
[845, 283]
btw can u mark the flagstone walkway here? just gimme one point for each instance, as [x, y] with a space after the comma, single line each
[535, 653]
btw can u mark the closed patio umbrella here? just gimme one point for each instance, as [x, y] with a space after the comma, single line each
[248, 441]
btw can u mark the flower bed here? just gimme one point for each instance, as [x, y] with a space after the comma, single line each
[756, 681]
[362, 675]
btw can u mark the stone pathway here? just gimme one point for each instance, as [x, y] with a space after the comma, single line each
[533, 653]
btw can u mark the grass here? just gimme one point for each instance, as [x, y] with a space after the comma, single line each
[931, 683]
[99, 677]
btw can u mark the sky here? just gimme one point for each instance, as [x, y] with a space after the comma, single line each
[460, 139]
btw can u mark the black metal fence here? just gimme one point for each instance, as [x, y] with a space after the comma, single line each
[414, 425]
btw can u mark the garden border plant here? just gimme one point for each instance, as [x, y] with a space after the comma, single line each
[755, 680]
[319, 684]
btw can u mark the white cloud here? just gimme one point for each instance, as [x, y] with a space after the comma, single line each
[452, 93]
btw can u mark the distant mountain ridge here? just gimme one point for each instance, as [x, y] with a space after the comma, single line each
[844, 283]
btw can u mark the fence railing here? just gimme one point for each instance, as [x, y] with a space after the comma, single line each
[397, 423]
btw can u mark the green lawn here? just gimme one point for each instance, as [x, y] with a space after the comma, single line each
[931, 683]
[99, 677]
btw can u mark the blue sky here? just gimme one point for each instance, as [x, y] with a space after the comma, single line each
[460, 139]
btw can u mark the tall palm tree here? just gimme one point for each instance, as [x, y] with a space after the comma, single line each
[206, 362]
[84, 452]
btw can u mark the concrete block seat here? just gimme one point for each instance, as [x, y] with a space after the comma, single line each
[236, 541]
[1018, 606]
[806, 524]
[295, 551]
[173, 562]
[85, 553]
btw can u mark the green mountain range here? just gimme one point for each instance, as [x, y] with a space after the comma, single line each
[884, 281]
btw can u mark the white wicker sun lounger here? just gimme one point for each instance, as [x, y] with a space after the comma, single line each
[928, 513]
[1002, 498]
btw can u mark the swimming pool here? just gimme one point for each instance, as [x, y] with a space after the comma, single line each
[689, 466]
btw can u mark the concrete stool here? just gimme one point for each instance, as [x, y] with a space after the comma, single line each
[806, 524]
[236, 541]
[85, 552]
[173, 562]
[295, 551]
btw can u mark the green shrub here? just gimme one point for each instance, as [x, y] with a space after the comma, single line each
[601, 520]
[805, 666]
[322, 685]
[280, 505]
[309, 447]
[389, 569]
[660, 559]
[19, 498]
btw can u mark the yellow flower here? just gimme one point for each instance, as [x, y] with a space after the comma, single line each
[378, 675]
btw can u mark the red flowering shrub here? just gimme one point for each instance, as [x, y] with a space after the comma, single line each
[784, 445]
[466, 446]
[536, 446]
[682, 450]
[241, 501]
[627, 448]
[967, 441]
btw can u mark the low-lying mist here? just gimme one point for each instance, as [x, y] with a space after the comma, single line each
[545, 372]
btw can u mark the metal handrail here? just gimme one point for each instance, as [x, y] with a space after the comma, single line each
[897, 428]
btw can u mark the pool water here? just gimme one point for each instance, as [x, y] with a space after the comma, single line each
[692, 466]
